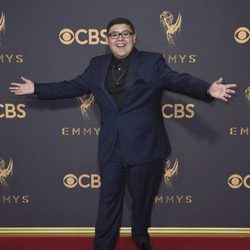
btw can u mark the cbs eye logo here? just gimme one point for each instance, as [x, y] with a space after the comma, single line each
[241, 35]
[83, 36]
[235, 181]
[84, 181]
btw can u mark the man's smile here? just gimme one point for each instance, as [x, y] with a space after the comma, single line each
[120, 45]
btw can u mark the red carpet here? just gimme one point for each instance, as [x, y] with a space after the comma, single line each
[125, 243]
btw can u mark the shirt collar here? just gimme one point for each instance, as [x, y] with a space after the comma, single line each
[123, 61]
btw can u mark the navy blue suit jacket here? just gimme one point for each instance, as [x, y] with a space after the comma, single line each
[139, 121]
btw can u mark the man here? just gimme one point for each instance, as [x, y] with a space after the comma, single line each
[128, 85]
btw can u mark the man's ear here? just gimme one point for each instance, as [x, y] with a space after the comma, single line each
[107, 40]
[134, 38]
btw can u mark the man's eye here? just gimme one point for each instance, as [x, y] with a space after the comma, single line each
[126, 33]
[114, 34]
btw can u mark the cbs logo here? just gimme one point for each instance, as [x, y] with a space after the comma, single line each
[178, 111]
[235, 181]
[83, 36]
[84, 181]
[241, 35]
[10, 111]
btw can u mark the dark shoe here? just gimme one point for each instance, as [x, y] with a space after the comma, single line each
[143, 246]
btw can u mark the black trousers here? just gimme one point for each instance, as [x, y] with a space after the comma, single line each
[143, 183]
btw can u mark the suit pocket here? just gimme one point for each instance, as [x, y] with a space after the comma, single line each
[142, 82]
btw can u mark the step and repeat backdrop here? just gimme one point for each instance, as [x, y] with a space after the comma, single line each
[49, 174]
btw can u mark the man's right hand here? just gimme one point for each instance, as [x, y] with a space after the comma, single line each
[26, 88]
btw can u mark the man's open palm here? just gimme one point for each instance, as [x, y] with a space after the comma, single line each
[221, 91]
[26, 88]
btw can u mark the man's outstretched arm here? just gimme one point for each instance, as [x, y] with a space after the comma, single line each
[65, 89]
[189, 85]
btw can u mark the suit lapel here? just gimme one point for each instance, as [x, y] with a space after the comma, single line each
[104, 72]
[132, 68]
[133, 64]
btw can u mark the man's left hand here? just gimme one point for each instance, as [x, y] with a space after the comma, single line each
[221, 91]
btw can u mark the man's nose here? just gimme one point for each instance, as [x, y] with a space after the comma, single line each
[120, 37]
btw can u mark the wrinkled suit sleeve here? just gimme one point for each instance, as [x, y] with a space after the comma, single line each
[186, 84]
[66, 89]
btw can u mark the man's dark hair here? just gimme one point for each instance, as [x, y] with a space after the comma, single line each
[120, 20]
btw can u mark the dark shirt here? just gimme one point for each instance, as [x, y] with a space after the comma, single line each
[116, 79]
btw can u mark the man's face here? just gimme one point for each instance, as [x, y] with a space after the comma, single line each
[121, 47]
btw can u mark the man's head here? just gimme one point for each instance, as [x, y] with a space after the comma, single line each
[121, 37]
